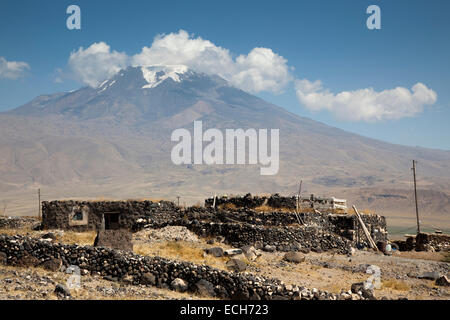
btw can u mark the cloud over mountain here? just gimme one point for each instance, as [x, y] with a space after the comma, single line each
[365, 104]
[260, 70]
[12, 69]
[96, 63]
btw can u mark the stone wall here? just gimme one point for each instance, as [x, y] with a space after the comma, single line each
[59, 214]
[155, 271]
[425, 242]
[242, 226]
[249, 201]
[18, 222]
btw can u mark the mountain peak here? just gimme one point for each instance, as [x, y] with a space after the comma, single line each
[154, 75]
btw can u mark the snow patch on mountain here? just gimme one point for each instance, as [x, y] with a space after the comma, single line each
[155, 75]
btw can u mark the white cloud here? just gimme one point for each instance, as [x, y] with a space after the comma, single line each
[12, 69]
[260, 70]
[96, 63]
[365, 104]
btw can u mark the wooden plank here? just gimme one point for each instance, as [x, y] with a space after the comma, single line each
[214, 202]
[366, 232]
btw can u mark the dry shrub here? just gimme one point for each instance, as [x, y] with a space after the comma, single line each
[367, 211]
[180, 250]
[81, 238]
[13, 232]
[395, 285]
[101, 199]
[266, 208]
[198, 204]
[228, 206]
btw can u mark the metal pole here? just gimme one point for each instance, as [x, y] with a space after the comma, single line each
[178, 198]
[415, 196]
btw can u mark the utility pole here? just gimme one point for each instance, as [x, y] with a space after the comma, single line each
[39, 198]
[178, 201]
[415, 195]
[299, 199]
[300, 221]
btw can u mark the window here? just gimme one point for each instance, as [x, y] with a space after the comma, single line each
[77, 216]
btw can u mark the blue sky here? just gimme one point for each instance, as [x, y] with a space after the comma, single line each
[318, 40]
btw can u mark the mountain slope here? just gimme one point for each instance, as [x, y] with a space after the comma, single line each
[114, 141]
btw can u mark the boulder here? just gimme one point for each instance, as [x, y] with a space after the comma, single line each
[111, 278]
[3, 258]
[51, 264]
[304, 250]
[215, 251]
[148, 279]
[249, 252]
[62, 291]
[179, 285]
[442, 281]
[429, 275]
[381, 245]
[258, 245]
[127, 279]
[359, 288]
[295, 257]
[233, 252]
[241, 295]
[49, 236]
[204, 288]
[269, 248]
[28, 261]
[236, 265]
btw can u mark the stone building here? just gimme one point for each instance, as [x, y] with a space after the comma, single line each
[99, 215]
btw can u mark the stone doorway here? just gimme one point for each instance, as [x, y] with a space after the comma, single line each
[111, 220]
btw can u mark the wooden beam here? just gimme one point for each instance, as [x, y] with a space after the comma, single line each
[366, 232]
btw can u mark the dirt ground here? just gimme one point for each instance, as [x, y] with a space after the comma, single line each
[325, 271]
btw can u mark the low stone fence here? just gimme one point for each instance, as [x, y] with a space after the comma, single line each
[160, 272]
[249, 201]
[18, 222]
[425, 242]
[280, 238]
